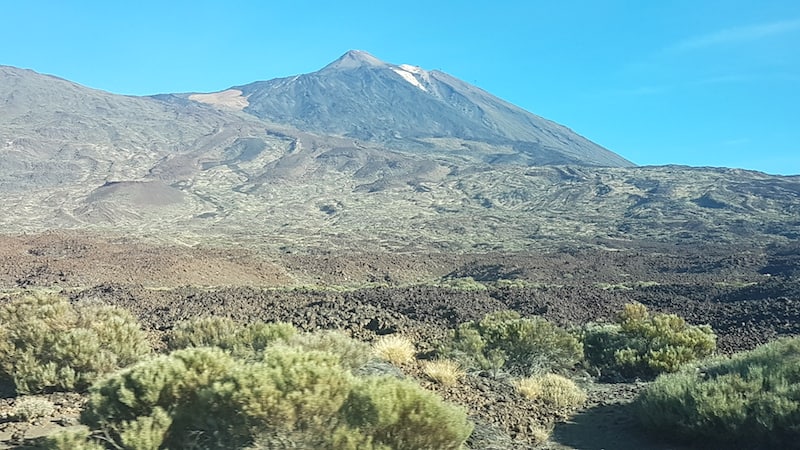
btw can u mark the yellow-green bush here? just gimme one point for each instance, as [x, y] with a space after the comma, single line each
[352, 353]
[504, 340]
[71, 440]
[48, 344]
[400, 414]
[238, 339]
[644, 345]
[749, 400]
[206, 398]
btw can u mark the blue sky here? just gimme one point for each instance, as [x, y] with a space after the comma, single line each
[701, 82]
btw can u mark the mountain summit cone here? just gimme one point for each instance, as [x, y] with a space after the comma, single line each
[354, 59]
[408, 108]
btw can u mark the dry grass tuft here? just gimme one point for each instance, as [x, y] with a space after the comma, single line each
[554, 390]
[394, 348]
[443, 371]
[540, 435]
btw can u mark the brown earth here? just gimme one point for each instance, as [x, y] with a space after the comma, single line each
[748, 295]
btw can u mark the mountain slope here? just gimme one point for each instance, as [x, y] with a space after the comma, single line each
[54, 131]
[176, 167]
[409, 108]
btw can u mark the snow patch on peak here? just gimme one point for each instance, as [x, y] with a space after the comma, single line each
[409, 75]
[413, 69]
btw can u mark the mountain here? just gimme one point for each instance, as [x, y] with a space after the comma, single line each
[238, 166]
[55, 132]
[407, 107]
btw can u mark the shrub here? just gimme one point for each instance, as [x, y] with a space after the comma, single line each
[557, 392]
[206, 398]
[394, 348]
[31, 408]
[247, 341]
[49, 344]
[71, 440]
[400, 414]
[443, 371]
[644, 345]
[520, 345]
[749, 400]
[351, 352]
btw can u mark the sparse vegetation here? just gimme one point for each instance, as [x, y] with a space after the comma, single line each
[443, 371]
[505, 340]
[644, 345]
[394, 348]
[557, 392]
[46, 343]
[751, 399]
[463, 284]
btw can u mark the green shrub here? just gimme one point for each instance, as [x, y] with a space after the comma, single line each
[400, 414]
[749, 400]
[71, 440]
[48, 344]
[292, 398]
[352, 353]
[214, 400]
[644, 345]
[520, 345]
[247, 341]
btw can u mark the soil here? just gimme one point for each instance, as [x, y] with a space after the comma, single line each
[747, 295]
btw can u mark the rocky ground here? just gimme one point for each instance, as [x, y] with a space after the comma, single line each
[748, 295]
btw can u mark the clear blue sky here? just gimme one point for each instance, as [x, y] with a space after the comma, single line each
[697, 82]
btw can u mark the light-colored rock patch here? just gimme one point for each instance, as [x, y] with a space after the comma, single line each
[232, 98]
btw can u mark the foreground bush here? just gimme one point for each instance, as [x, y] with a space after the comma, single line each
[645, 345]
[47, 344]
[504, 340]
[292, 398]
[401, 415]
[751, 399]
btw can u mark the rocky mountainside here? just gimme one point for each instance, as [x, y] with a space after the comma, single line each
[450, 168]
[407, 107]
